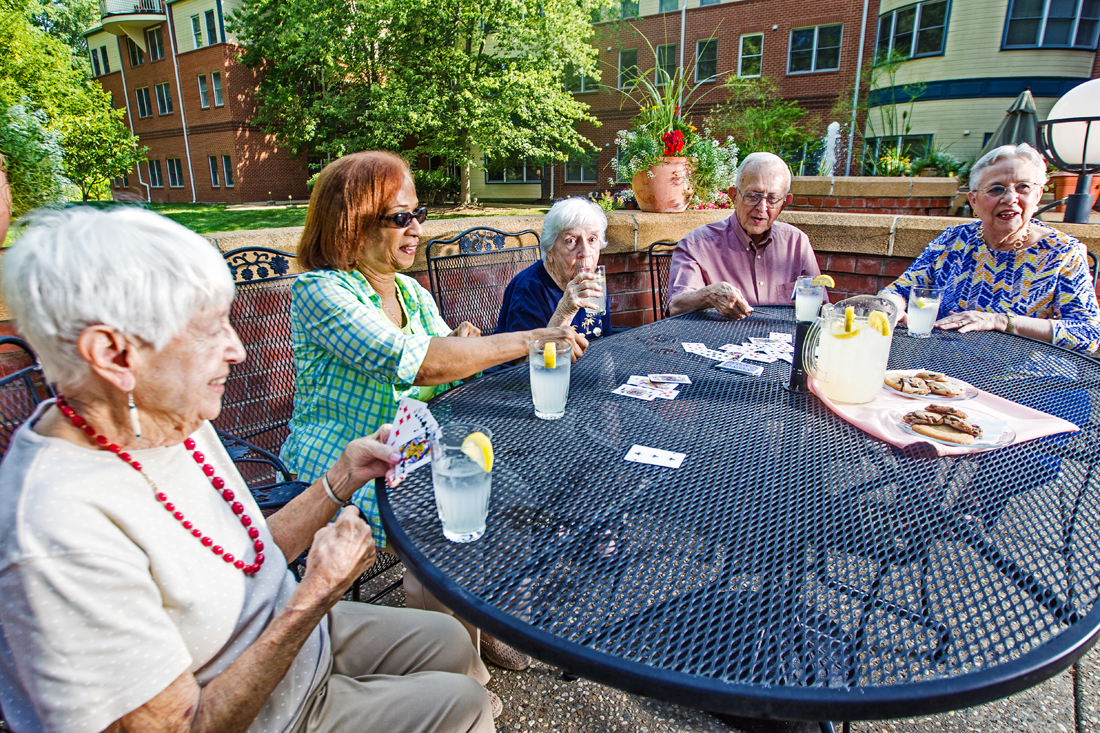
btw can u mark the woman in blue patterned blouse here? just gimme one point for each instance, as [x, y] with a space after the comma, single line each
[1008, 272]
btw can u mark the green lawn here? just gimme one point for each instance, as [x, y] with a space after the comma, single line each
[205, 218]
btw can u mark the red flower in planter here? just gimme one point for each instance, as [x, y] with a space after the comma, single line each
[674, 142]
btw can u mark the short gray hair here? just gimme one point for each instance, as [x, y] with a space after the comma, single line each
[127, 268]
[568, 213]
[761, 159]
[1023, 151]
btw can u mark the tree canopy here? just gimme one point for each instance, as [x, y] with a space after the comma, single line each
[428, 77]
[40, 73]
[758, 117]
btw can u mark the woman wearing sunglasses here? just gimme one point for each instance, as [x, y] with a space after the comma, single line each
[365, 335]
[1007, 271]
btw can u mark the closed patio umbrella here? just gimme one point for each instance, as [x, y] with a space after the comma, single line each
[1018, 126]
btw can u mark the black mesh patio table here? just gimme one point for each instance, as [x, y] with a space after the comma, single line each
[794, 567]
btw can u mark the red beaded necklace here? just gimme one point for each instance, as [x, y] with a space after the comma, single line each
[216, 481]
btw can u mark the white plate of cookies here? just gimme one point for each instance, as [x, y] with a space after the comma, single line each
[949, 425]
[923, 384]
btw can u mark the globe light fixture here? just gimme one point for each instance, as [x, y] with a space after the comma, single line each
[1070, 138]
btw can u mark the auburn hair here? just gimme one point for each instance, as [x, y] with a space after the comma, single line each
[348, 201]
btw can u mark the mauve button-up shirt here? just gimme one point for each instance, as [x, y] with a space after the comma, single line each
[723, 252]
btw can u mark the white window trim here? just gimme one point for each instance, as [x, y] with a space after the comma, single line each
[741, 55]
[204, 91]
[813, 66]
[148, 103]
[227, 167]
[167, 98]
[657, 66]
[699, 43]
[213, 161]
[619, 73]
[217, 91]
[159, 178]
[595, 175]
[196, 31]
[168, 163]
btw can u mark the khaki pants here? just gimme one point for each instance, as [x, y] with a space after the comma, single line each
[397, 670]
[417, 596]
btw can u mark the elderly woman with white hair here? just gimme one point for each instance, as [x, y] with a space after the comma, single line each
[1008, 271]
[555, 290]
[143, 589]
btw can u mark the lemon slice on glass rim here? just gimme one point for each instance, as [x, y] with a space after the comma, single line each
[824, 280]
[479, 449]
[550, 355]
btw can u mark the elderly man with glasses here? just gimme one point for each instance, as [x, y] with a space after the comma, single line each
[748, 259]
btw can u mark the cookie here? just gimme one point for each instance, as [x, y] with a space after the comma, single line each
[944, 433]
[932, 376]
[947, 410]
[912, 385]
[945, 389]
[893, 381]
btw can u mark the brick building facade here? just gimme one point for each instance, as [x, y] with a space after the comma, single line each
[746, 38]
[176, 72]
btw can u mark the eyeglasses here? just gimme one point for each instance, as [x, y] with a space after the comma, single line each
[1023, 188]
[753, 199]
[403, 219]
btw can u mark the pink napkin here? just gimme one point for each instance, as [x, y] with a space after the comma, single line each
[874, 418]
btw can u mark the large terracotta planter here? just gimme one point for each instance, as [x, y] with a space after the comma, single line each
[1066, 183]
[667, 192]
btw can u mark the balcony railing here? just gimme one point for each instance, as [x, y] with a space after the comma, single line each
[129, 7]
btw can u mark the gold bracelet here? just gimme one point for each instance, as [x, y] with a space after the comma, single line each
[1011, 323]
[328, 490]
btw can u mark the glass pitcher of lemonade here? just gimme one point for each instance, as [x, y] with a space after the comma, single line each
[848, 347]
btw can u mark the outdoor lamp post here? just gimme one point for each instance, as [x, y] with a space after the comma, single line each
[1070, 138]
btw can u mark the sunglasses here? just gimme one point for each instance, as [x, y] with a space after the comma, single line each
[403, 219]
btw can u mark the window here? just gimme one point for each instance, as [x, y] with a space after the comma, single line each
[95, 63]
[227, 169]
[156, 180]
[579, 83]
[116, 182]
[164, 99]
[909, 146]
[666, 64]
[752, 53]
[581, 168]
[137, 58]
[1052, 24]
[628, 68]
[204, 93]
[103, 57]
[211, 28]
[628, 8]
[125, 181]
[175, 173]
[706, 60]
[916, 30]
[519, 171]
[213, 170]
[216, 82]
[145, 107]
[814, 49]
[667, 6]
[155, 42]
[196, 31]
[708, 2]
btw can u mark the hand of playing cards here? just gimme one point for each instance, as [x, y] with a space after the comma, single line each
[413, 430]
[653, 386]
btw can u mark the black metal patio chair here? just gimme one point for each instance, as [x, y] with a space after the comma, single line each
[22, 390]
[259, 394]
[469, 272]
[660, 263]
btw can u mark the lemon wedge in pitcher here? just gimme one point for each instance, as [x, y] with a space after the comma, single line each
[550, 355]
[878, 321]
[479, 449]
[849, 318]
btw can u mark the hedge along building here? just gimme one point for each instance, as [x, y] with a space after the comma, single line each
[173, 67]
[969, 60]
[814, 51]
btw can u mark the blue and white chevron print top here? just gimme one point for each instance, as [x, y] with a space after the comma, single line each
[1048, 280]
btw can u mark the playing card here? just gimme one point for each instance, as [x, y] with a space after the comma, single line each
[670, 378]
[654, 456]
[741, 367]
[412, 433]
[777, 336]
[789, 358]
[755, 341]
[630, 390]
[735, 348]
[692, 348]
[759, 356]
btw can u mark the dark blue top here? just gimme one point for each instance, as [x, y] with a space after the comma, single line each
[530, 300]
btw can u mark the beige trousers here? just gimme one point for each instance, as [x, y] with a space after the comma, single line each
[417, 596]
[397, 670]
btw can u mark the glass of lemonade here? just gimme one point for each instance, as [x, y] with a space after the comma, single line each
[549, 363]
[807, 298]
[598, 306]
[461, 485]
[924, 307]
